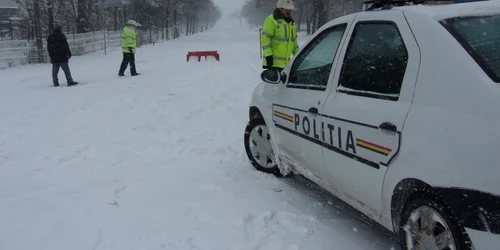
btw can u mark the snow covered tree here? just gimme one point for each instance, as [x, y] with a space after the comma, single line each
[81, 16]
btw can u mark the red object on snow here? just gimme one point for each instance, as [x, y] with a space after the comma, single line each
[199, 54]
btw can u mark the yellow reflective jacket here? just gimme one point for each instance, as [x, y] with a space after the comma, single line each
[128, 40]
[279, 39]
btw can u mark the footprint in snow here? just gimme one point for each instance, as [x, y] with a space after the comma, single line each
[116, 193]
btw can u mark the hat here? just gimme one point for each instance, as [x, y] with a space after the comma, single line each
[286, 4]
[57, 28]
[133, 23]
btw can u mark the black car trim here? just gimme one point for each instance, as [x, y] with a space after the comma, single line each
[329, 116]
[474, 209]
[369, 95]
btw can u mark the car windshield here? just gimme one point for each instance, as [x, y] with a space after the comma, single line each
[480, 36]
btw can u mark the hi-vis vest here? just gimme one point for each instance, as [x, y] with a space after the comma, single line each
[279, 39]
[128, 40]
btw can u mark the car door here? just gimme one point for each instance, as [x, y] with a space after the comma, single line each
[298, 101]
[366, 114]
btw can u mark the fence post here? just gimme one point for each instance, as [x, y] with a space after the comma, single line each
[74, 42]
[151, 36]
[105, 49]
[38, 32]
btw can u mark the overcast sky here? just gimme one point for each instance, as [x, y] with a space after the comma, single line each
[228, 6]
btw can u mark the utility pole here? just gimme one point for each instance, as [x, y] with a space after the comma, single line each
[38, 32]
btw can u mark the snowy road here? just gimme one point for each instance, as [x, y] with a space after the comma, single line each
[155, 161]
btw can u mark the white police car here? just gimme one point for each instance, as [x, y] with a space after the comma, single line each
[396, 112]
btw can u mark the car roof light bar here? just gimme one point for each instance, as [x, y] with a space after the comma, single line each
[389, 4]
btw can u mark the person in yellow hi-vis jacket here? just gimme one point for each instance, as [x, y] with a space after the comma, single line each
[279, 36]
[129, 45]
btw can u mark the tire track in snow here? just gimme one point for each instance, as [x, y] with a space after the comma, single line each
[98, 239]
[341, 217]
[270, 230]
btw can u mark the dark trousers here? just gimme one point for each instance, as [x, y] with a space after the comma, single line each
[128, 58]
[55, 72]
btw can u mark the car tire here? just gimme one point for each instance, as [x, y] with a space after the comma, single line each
[258, 147]
[427, 208]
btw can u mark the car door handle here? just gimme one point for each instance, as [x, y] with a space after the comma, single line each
[388, 126]
[313, 110]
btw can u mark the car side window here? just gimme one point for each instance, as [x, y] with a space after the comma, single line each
[312, 67]
[375, 61]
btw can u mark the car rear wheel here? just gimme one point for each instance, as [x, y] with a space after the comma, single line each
[427, 223]
[258, 147]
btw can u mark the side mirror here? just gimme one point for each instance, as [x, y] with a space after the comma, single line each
[271, 76]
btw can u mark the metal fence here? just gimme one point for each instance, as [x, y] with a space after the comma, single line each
[19, 52]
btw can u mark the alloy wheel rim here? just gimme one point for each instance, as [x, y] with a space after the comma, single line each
[426, 229]
[260, 146]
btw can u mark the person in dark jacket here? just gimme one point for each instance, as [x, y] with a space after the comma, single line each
[59, 53]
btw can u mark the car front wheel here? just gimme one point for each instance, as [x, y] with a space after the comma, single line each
[258, 147]
[427, 223]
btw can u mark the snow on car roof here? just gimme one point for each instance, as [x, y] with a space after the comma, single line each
[455, 10]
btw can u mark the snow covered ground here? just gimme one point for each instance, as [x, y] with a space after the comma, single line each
[155, 161]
